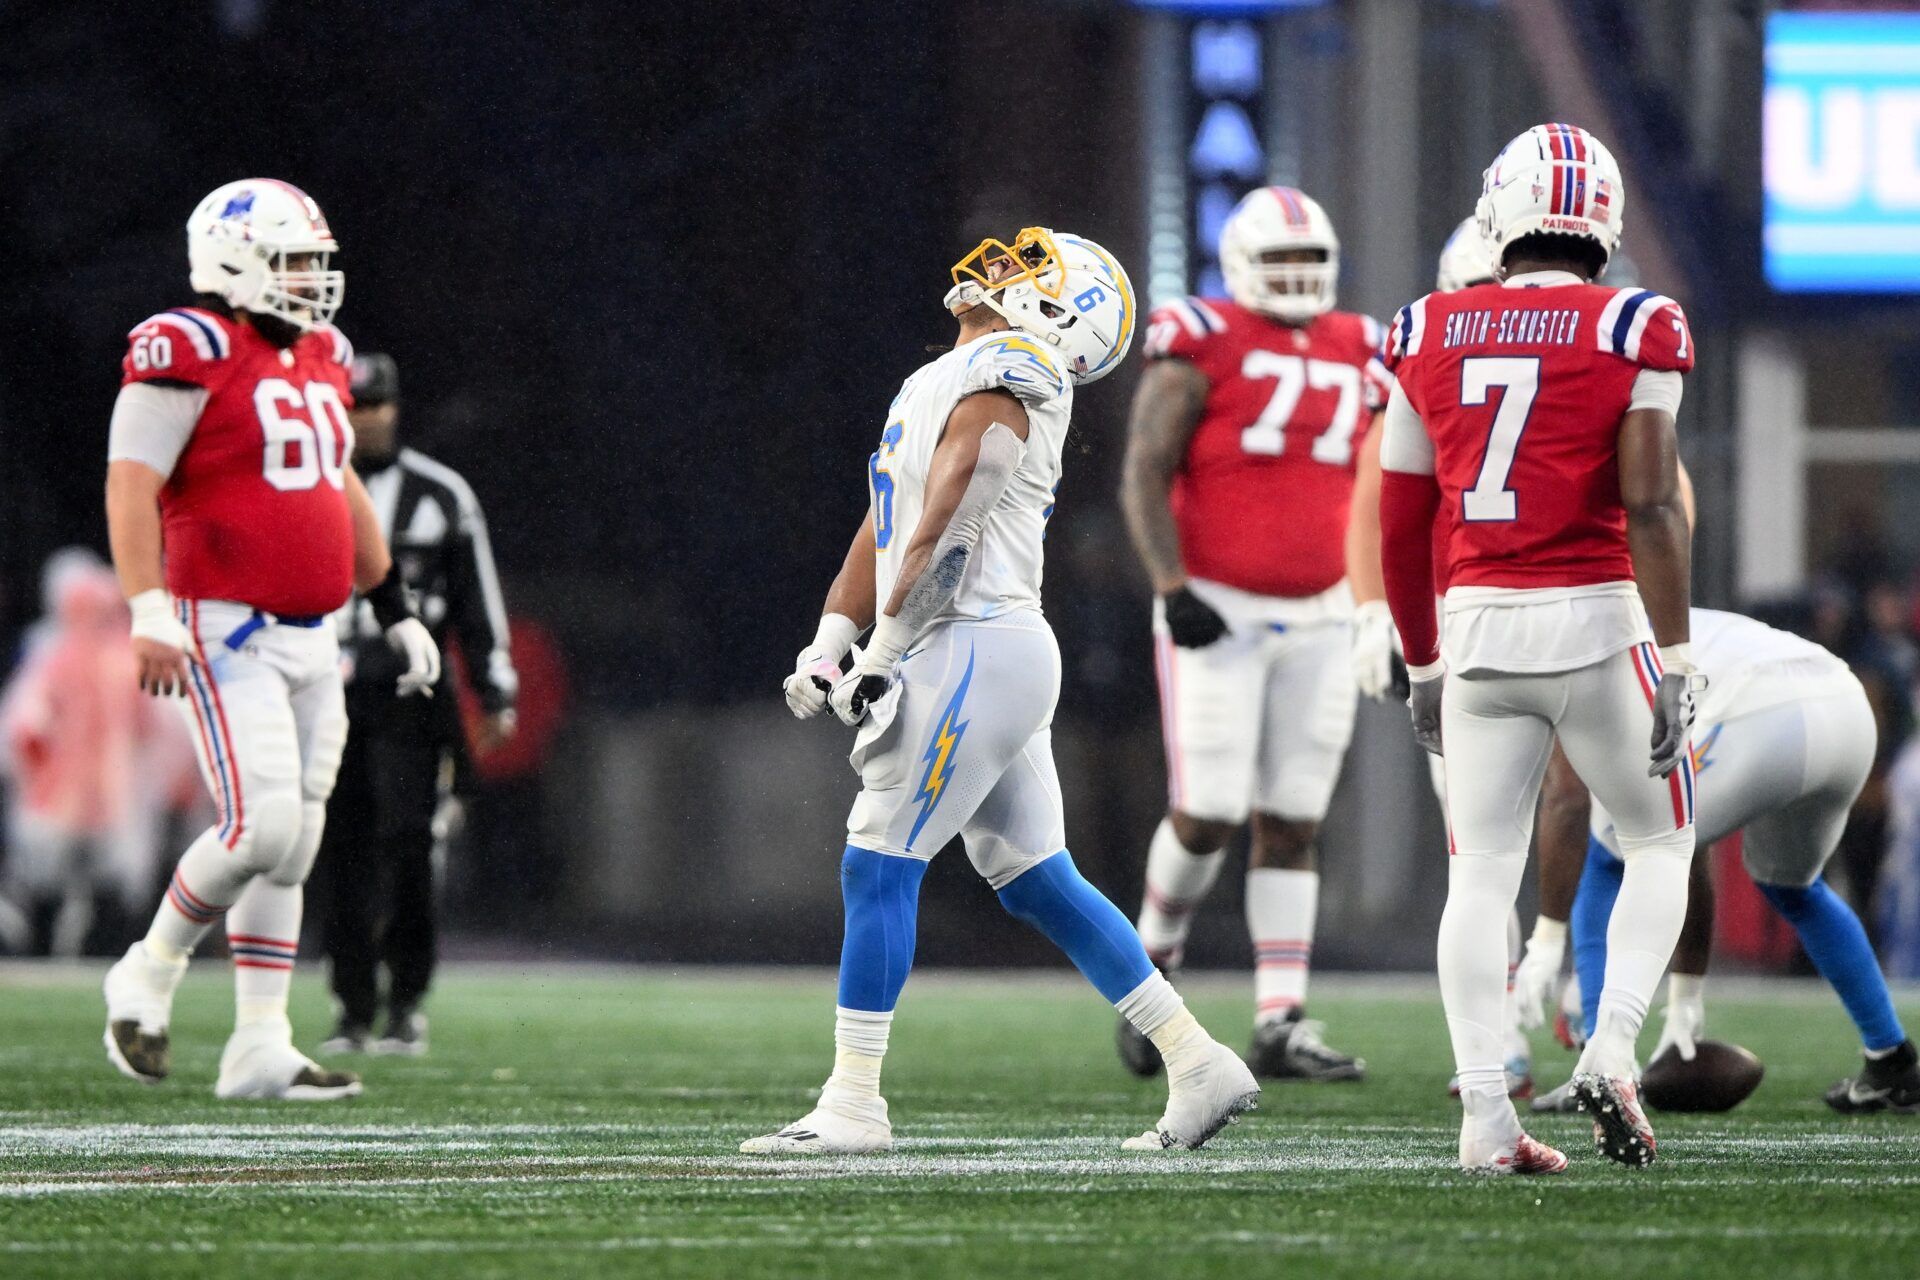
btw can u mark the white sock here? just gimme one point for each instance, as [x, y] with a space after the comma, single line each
[1281, 906]
[1177, 880]
[204, 885]
[859, 1044]
[1641, 935]
[1149, 1005]
[1178, 1039]
[263, 931]
[1473, 960]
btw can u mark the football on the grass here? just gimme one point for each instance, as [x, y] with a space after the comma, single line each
[1720, 1078]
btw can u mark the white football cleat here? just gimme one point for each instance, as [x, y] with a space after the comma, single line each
[261, 1062]
[139, 992]
[1519, 1156]
[1207, 1091]
[842, 1125]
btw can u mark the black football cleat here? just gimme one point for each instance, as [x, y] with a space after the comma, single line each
[1290, 1048]
[406, 1034]
[348, 1037]
[1620, 1129]
[1891, 1083]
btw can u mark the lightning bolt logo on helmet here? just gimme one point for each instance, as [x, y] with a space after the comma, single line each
[941, 750]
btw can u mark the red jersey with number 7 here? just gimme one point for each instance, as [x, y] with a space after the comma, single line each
[1261, 498]
[1521, 388]
[256, 508]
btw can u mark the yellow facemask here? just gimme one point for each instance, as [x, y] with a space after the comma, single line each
[1031, 257]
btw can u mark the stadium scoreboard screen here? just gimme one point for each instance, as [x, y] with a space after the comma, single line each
[1841, 152]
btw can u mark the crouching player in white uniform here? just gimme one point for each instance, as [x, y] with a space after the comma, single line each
[954, 693]
[1788, 736]
[230, 451]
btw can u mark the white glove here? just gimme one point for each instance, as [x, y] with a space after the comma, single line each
[410, 638]
[1686, 1017]
[1374, 644]
[1539, 971]
[873, 670]
[817, 669]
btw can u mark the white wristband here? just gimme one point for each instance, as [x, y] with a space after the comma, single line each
[836, 635]
[153, 620]
[889, 641]
[152, 611]
[1426, 671]
[1549, 933]
[1369, 609]
[1677, 657]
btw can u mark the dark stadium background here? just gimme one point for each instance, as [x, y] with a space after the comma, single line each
[652, 270]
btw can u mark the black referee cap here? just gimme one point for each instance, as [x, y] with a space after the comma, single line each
[376, 379]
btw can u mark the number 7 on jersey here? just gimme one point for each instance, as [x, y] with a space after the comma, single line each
[1518, 378]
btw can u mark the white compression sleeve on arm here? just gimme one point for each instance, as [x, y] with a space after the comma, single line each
[1000, 455]
[153, 424]
[1657, 389]
[1404, 444]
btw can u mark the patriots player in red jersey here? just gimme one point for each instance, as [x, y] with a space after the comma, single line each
[1239, 469]
[238, 525]
[1532, 423]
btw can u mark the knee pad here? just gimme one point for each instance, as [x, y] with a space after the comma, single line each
[1668, 844]
[297, 864]
[270, 826]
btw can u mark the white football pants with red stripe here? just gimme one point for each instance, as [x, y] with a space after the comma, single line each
[268, 716]
[1497, 733]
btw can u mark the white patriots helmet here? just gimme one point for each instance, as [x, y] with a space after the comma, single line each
[1466, 259]
[1555, 179]
[1272, 220]
[1063, 289]
[264, 246]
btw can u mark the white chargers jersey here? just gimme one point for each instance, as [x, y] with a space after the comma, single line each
[1750, 666]
[1003, 573]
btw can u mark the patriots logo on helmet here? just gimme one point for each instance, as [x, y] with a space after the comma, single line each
[239, 206]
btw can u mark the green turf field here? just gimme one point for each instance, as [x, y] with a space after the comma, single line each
[584, 1123]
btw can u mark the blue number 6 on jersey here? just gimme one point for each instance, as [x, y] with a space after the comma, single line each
[882, 481]
[1090, 299]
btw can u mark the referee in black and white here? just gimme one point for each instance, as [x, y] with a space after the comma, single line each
[376, 857]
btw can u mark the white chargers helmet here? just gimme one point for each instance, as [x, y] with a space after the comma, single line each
[1275, 220]
[1553, 179]
[1466, 259]
[1063, 289]
[264, 246]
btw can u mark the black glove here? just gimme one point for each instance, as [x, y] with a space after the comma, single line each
[1191, 621]
[1423, 700]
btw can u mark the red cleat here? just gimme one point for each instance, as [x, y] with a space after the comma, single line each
[1525, 1158]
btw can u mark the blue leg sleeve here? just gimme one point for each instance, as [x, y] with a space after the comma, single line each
[1053, 897]
[1592, 908]
[882, 896]
[1838, 947]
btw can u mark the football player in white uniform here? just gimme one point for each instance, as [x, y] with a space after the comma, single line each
[1789, 737]
[955, 690]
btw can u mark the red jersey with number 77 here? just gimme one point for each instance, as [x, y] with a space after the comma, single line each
[256, 508]
[1521, 388]
[1261, 499]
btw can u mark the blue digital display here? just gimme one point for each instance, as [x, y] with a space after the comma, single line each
[1841, 152]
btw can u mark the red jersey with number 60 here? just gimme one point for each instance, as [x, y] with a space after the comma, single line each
[1261, 499]
[1522, 389]
[256, 509]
